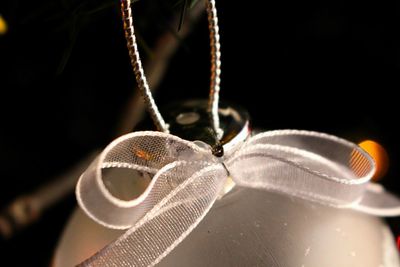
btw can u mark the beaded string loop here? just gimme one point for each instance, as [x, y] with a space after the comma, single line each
[141, 77]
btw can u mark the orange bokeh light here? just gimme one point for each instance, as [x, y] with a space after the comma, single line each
[3, 26]
[379, 154]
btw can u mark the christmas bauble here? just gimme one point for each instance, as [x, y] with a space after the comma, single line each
[246, 227]
[249, 227]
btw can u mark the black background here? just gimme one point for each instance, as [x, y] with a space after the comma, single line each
[330, 66]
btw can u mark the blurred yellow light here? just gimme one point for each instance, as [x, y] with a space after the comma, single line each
[3, 26]
[379, 154]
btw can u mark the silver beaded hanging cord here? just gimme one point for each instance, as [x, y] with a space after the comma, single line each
[215, 80]
[141, 78]
[138, 68]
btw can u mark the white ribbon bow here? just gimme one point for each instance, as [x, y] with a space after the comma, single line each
[188, 179]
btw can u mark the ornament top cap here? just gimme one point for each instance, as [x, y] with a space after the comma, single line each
[190, 120]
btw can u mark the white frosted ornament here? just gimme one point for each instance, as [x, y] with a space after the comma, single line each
[248, 227]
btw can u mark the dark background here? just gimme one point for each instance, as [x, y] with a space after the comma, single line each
[65, 78]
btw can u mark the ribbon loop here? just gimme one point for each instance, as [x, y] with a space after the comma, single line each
[327, 154]
[149, 152]
[309, 165]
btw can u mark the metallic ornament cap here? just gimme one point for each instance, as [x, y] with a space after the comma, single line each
[190, 120]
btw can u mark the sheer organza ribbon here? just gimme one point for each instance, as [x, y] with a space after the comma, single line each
[188, 180]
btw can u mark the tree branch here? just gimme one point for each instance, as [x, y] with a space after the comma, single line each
[26, 209]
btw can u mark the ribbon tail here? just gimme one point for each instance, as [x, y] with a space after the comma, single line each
[168, 223]
[377, 201]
